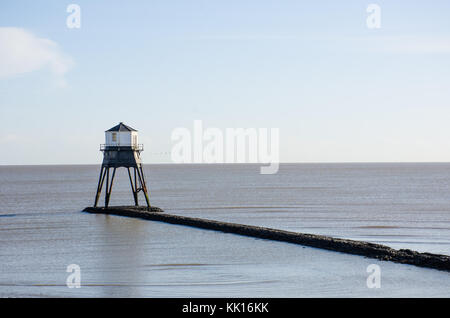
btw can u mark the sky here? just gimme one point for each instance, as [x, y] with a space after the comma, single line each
[337, 90]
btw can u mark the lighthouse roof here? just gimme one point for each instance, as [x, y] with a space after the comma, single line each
[122, 127]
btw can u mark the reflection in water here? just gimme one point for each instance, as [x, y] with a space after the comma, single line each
[123, 255]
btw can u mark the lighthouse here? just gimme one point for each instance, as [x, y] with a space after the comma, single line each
[121, 149]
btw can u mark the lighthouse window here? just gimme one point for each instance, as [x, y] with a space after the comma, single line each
[114, 137]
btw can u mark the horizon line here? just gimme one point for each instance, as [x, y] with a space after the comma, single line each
[231, 163]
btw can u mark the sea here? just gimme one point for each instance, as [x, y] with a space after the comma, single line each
[44, 234]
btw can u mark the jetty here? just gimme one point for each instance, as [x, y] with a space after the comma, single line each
[370, 250]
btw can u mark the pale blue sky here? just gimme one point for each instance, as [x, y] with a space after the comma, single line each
[338, 91]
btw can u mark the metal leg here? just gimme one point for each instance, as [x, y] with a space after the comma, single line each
[136, 186]
[139, 184]
[133, 188]
[108, 193]
[101, 179]
[143, 186]
[107, 187]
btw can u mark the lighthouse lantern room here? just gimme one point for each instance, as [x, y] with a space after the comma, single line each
[121, 136]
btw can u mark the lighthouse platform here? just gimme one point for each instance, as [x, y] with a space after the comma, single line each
[370, 250]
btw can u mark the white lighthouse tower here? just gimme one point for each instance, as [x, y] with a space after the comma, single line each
[121, 149]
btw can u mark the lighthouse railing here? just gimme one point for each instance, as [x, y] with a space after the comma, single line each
[139, 147]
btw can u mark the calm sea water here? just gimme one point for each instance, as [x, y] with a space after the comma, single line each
[42, 231]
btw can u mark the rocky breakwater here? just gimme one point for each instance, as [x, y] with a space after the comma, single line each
[371, 250]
